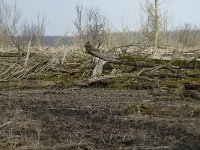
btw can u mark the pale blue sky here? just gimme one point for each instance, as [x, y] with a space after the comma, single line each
[60, 14]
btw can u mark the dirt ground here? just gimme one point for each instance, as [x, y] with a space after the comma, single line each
[93, 118]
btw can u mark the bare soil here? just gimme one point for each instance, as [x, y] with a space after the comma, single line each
[95, 118]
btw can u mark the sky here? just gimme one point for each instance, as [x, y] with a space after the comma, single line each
[60, 14]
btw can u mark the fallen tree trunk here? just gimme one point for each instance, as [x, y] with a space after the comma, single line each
[116, 59]
[107, 79]
[142, 62]
[169, 75]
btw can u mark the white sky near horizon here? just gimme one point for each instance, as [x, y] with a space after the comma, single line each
[60, 14]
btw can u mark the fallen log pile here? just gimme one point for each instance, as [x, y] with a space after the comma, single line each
[179, 76]
[176, 77]
[27, 65]
[18, 69]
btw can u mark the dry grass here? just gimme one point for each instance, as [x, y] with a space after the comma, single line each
[49, 118]
[17, 128]
[94, 118]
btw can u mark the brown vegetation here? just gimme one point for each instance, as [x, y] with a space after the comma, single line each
[140, 95]
[48, 105]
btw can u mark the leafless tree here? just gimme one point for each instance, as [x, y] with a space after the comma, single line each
[188, 35]
[10, 19]
[79, 21]
[15, 32]
[40, 30]
[155, 21]
[95, 26]
[9, 22]
[90, 24]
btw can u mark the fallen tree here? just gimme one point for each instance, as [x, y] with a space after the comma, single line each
[113, 58]
[179, 75]
[140, 61]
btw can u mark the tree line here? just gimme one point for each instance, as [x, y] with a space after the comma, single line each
[91, 25]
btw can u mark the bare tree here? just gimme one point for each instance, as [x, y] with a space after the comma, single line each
[40, 30]
[95, 26]
[79, 21]
[90, 24]
[188, 35]
[26, 35]
[10, 19]
[155, 22]
[16, 33]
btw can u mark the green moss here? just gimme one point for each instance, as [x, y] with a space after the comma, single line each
[157, 61]
[123, 68]
[131, 58]
[192, 72]
[195, 80]
[169, 83]
[186, 64]
[122, 82]
[180, 63]
[47, 77]
[195, 64]
[53, 77]
[180, 88]
[174, 81]
[3, 87]
[136, 58]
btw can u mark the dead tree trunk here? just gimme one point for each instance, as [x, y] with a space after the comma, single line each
[99, 67]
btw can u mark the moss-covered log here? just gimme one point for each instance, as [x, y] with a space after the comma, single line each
[139, 61]
[117, 59]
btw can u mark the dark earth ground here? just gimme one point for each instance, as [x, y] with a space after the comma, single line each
[93, 118]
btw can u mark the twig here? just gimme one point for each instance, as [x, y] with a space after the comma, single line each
[5, 124]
